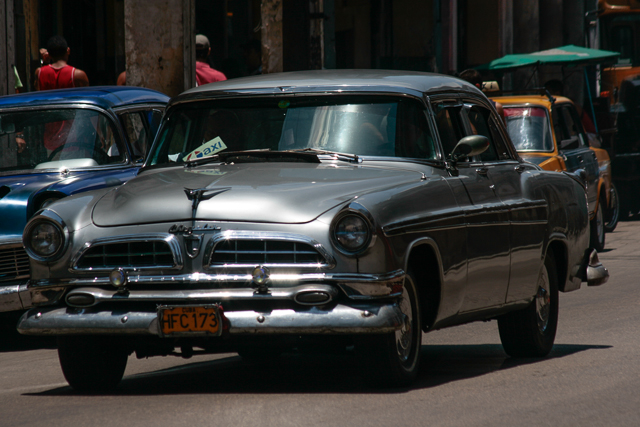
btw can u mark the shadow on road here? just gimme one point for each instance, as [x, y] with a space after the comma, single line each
[320, 373]
[11, 341]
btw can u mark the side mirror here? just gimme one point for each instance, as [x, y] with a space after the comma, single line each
[470, 146]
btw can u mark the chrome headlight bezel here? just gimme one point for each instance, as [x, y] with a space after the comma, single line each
[51, 219]
[353, 211]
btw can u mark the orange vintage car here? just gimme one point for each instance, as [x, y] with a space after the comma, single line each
[547, 131]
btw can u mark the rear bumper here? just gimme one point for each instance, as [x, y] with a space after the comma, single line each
[340, 319]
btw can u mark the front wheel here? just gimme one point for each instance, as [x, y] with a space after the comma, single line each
[392, 359]
[92, 363]
[613, 211]
[530, 332]
[596, 241]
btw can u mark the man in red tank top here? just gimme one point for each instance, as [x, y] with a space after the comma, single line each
[57, 74]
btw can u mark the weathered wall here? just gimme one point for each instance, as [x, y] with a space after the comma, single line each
[159, 44]
[272, 48]
[7, 44]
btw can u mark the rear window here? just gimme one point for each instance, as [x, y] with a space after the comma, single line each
[529, 129]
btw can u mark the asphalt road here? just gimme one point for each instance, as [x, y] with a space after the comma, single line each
[591, 378]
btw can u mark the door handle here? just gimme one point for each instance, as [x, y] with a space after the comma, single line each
[482, 171]
[520, 168]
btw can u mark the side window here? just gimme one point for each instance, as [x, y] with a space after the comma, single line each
[479, 121]
[136, 129]
[449, 124]
[413, 136]
[498, 139]
[567, 128]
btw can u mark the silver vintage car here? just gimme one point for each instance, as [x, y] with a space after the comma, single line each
[352, 207]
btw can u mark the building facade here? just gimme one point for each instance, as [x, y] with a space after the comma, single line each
[153, 41]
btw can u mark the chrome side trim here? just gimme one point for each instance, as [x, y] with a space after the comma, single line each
[341, 319]
[330, 261]
[170, 239]
[199, 295]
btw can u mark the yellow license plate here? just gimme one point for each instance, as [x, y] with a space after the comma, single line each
[189, 320]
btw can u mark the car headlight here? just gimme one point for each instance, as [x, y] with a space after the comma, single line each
[351, 232]
[43, 239]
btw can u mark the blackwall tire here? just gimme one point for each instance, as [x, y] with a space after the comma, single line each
[90, 363]
[613, 211]
[531, 332]
[393, 359]
[597, 237]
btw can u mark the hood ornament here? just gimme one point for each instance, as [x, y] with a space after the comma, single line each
[196, 195]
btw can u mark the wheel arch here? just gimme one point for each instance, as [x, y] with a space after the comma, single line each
[602, 197]
[40, 197]
[425, 262]
[558, 249]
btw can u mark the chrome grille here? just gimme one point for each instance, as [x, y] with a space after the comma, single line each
[14, 264]
[251, 252]
[132, 254]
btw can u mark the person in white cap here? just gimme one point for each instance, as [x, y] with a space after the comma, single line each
[204, 73]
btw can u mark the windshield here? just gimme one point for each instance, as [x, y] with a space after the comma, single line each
[61, 138]
[365, 126]
[528, 128]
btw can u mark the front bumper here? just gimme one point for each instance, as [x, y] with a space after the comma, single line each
[14, 296]
[339, 319]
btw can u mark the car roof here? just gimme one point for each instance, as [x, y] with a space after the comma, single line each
[392, 81]
[102, 96]
[539, 100]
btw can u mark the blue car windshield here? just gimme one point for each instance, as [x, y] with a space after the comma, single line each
[529, 128]
[363, 125]
[56, 139]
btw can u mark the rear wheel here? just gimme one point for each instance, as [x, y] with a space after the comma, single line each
[612, 214]
[530, 332]
[392, 359]
[596, 241]
[92, 363]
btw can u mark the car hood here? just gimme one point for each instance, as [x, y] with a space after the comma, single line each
[15, 194]
[256, 192]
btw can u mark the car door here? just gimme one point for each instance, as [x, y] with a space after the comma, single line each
[573, 146]
[527, 218]
[485, 216]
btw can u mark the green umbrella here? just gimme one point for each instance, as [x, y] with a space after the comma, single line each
[564, 56]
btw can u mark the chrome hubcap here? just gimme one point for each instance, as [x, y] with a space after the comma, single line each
[543, 301]
[404, 335]
[600, 223]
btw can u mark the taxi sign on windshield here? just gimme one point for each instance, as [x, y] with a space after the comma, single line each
[207, 149]
[189, 320]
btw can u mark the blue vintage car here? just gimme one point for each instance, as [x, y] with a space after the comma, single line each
[62, 142]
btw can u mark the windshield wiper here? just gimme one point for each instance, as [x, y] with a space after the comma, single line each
[202, 161]
[339, 156]
[259, 156]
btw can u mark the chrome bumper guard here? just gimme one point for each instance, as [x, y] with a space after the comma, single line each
[341, 319]
[597, 274]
